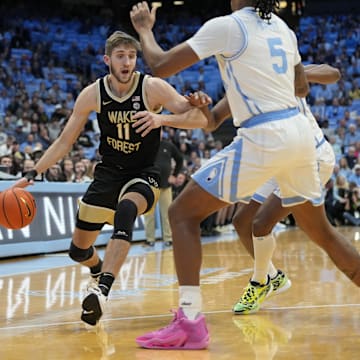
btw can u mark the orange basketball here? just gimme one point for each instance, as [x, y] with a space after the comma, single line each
[17, 208]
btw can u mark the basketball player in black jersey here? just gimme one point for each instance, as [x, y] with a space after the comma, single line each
[126, 181]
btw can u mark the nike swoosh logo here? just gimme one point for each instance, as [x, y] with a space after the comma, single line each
[184, 303]
[106, 102]
[85, 312]
[27, 207]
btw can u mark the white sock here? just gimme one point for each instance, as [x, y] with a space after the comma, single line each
[264, 247]
[272, 270]
[190, 301]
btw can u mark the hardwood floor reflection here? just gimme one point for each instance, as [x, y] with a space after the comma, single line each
[317, 318]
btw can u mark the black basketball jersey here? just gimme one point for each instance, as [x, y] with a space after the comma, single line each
[119, 143]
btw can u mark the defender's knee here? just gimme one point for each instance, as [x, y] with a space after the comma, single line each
[261, 227]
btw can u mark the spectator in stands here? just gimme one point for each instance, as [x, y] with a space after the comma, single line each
[28, 165]
[79, 175]
[324, 92]
[19, 135]
[351, 136]
[339, 137]
[333, 112]
[6, 163]
[54, 174]
[43, 136]
[355, 175]
[352, 207]
[351, 157]
[340, 198]
[29, 142]
[218, 147]
[56, 93]
[67, 167]
[206, 157]
[36, 68]
[329, 198]
[180, 182]
[6, 148]
[336, 147]
[43, 93]
[319, 109]
[354, 93]
[344, 168]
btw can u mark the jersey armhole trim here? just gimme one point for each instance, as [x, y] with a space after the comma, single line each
[156, 111]
[246, 40]
[98, 96]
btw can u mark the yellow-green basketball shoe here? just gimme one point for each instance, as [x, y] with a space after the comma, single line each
[253, 296]
[280, 283]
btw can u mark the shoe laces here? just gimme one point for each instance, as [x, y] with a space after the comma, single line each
[277, 280]
[175, 321]
[94, 288]
[92, 283]
[250, 295]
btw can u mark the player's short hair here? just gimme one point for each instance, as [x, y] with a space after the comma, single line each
[120, 38]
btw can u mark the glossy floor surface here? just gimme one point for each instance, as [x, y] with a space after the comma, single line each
[317, 318]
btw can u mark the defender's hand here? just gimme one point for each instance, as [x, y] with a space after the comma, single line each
[141, 17]
[146, 121]
[199, 99]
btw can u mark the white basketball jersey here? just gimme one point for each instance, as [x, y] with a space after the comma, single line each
[256, 61]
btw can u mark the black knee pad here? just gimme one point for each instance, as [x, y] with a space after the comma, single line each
[125, 215]
[146, 191]
[80, 255]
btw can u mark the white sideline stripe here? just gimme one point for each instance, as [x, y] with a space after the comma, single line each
[168, 315]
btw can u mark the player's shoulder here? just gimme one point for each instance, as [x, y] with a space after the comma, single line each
[219, 21]
[153, 82]
[91, 87]
[88, 97]
[279, 21]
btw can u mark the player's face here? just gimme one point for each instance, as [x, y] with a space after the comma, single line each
[122, 63]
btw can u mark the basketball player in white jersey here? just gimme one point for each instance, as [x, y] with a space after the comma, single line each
[253, 296]
[261, 70]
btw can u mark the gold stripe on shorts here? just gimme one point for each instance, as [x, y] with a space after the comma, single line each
[95, 214]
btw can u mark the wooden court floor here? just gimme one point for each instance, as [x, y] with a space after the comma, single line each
[317, 318]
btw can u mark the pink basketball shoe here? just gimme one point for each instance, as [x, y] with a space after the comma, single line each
[181, 333]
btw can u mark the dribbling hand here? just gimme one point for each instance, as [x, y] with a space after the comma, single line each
[26, 180]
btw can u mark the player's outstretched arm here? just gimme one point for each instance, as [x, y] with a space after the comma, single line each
[301, 82]
[85, 103]
[322, 73]
[162, 63]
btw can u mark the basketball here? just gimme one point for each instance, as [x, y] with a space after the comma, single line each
[17, 208]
